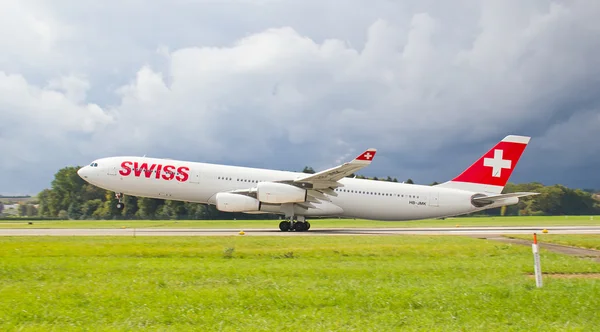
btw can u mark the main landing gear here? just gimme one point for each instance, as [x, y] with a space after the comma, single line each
[120, 204]
[299, 225]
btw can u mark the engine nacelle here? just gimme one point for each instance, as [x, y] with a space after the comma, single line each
[228, 202]
[279, 193]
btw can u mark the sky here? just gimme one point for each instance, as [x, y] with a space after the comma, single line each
[284, 84]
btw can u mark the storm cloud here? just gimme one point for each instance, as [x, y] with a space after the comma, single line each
[284, 84]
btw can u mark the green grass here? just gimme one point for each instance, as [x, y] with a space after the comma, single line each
[295, 283]
[591, 241]
[317, 223]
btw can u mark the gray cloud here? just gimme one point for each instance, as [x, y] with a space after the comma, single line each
[284, 84]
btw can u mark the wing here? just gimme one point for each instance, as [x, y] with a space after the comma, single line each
[329, 177]
[321, 185]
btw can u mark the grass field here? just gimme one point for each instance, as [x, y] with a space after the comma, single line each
[305, 283]
[591, 241]
[317, 223]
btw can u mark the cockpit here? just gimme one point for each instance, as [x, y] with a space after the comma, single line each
[89, 171]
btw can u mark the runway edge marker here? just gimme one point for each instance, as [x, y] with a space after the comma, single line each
[537, 264]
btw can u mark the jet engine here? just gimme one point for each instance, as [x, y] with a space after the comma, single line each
[228, 202]
[279, 193]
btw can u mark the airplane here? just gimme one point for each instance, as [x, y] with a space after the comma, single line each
[329, 193]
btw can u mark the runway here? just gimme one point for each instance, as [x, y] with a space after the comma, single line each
[465, 231]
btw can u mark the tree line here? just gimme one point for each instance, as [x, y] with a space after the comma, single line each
[70, 197]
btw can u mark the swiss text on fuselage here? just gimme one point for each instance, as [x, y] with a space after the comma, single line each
[156, 171]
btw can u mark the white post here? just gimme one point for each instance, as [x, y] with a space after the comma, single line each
[537, 265]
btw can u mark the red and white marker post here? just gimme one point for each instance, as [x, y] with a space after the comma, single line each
[537, 265]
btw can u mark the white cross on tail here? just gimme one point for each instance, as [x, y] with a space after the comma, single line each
[497, 163]
[368, 155]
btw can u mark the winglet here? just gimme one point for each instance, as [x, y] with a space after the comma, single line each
[367, 155]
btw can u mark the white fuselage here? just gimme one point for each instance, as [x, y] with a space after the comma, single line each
[357, 198]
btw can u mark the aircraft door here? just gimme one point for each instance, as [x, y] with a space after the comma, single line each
[112, 171]
[195, 176]
[434, 198]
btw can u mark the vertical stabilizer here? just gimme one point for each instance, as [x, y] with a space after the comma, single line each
[490, 173]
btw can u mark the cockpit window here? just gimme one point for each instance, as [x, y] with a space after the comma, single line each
[94, 165]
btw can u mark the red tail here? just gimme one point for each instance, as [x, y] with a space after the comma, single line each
[491, 172]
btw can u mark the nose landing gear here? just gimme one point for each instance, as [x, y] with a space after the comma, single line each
[120, 204]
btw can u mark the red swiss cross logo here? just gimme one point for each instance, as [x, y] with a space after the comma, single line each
[367, 155]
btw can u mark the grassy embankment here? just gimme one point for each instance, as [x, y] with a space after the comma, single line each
[300, 283]
[316, 223]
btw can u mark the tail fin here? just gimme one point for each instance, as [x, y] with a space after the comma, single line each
[490, 173]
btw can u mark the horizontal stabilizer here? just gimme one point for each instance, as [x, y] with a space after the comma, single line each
[495, 198]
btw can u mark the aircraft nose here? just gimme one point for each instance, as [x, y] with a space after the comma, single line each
[82, 172]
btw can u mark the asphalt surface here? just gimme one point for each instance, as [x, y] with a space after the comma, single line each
[558, 248]
[465, 231]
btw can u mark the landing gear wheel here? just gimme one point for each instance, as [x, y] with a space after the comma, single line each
[119, 197]
[285, 226]
[307, 225]
[300, 227]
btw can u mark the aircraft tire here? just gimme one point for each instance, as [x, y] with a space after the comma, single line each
[120, 206]
[285, 226]
[301, 227]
